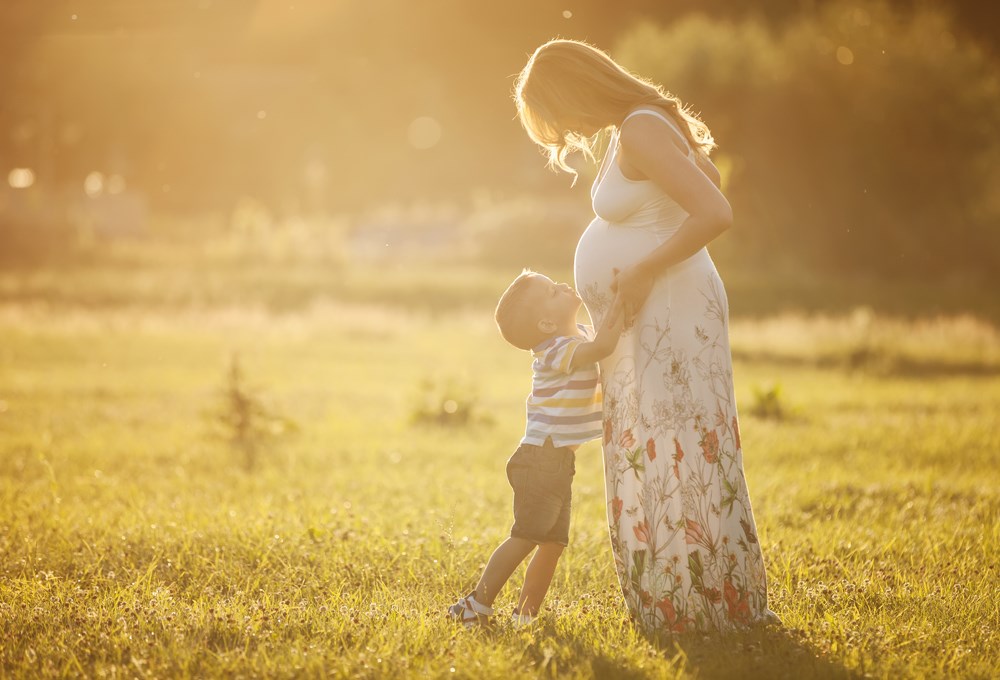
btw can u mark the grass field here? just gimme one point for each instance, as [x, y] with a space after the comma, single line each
[135, 543]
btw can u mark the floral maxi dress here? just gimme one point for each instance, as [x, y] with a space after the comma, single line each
[682, 530]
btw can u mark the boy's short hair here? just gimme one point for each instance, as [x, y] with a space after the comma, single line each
[518, 322]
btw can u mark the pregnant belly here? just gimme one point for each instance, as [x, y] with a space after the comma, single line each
[606, 246]
[602, 248]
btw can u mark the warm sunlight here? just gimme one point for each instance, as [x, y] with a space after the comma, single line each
[512, 339]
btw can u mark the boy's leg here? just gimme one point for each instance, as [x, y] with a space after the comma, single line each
[502, 564]
[538, 577]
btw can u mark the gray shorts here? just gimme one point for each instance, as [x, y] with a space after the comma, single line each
[542, 479]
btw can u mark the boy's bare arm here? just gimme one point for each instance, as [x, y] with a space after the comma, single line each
[601, 346]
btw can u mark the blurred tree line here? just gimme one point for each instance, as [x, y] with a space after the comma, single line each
[856, 135]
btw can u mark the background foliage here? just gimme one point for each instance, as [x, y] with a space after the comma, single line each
[858, 137]
[855, 137]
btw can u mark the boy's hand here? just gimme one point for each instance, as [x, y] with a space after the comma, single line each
[611, 328]
[603, 344]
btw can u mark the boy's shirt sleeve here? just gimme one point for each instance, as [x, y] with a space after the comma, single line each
[559, 357]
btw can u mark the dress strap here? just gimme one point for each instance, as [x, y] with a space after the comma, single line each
[669, 121]
[609, 158]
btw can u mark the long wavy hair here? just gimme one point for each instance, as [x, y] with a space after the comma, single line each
[568, 86]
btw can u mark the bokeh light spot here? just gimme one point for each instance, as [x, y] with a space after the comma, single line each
[845, 56]
[261, 115]
[567, 14]
[93, 185]
[424, 132]
[21, 178]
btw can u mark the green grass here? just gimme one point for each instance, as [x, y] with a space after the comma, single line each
[133, 543]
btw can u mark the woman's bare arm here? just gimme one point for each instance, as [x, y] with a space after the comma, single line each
[706, 165]
[649, 146]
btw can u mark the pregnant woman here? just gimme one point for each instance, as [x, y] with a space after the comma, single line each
[682, 530]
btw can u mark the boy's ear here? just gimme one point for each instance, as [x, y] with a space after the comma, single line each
[547, 326]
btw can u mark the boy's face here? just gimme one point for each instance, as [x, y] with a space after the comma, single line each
[551, 301]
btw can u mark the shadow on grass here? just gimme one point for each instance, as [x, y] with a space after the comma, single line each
[769, 653]
[765, 652]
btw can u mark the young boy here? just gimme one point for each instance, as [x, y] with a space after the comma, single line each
[563, 411]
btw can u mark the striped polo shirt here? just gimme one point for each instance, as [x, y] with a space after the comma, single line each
[563, 404]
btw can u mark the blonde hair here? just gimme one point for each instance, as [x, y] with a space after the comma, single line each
[569, 82]
[516, 319]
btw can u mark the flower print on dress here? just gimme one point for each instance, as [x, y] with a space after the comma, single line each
[677, 502]
[710, 446]
[598, 302]
[675, 393]
[641, 531]
[627, 439]
[616, 508]
[672, 622]
[678, 457]
[737, 604]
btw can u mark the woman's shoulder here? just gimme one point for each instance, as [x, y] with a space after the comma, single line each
[648, 119]
[653, 110]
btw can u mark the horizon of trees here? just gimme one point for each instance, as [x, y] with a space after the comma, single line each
[338, 107]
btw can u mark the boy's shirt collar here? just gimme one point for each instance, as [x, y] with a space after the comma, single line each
[582, 331]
